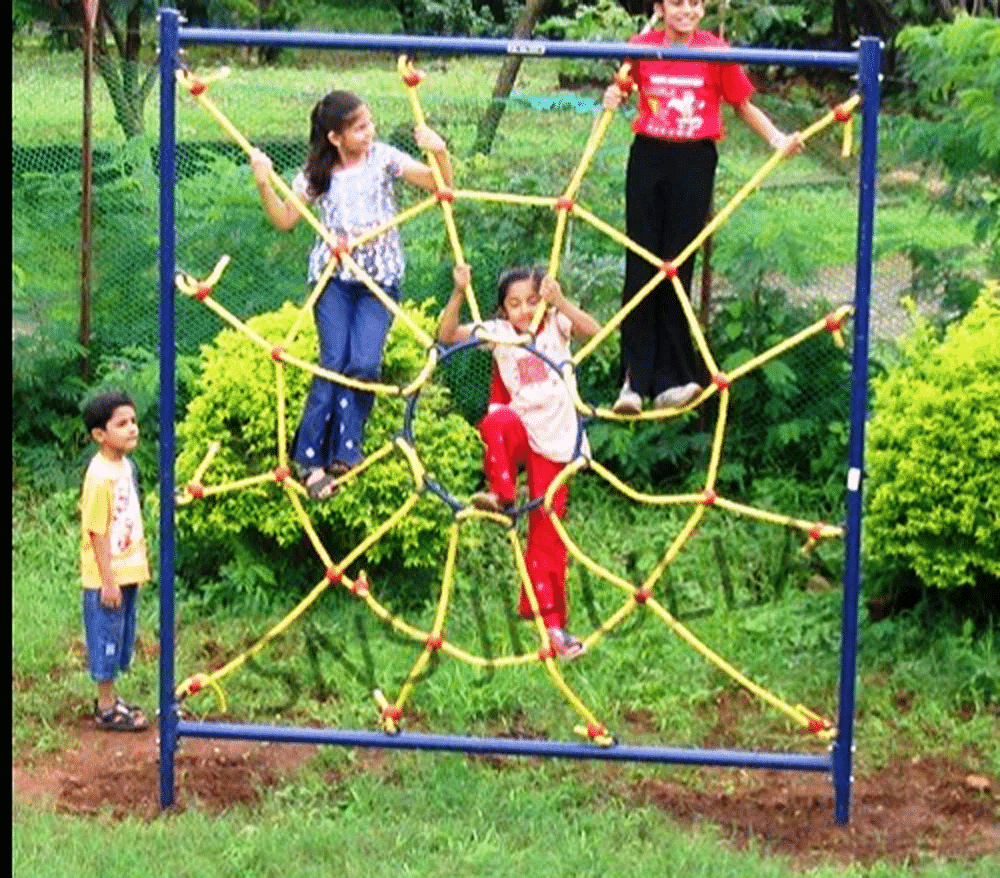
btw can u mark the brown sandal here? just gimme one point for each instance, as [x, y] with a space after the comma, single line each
[322, 485]
[120, 717]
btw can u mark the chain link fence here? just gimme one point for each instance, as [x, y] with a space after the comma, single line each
[745, 302]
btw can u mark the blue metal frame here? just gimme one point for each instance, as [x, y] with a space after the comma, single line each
[866, 62]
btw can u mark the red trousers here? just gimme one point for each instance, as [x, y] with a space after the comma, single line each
[546, 557]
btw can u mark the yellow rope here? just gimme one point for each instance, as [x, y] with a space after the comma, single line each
[435, 640]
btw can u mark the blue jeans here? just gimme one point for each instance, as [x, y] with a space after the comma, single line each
[352, 326]
[110, 633]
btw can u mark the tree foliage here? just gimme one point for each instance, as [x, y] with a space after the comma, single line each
[118, 43]
[955, 71]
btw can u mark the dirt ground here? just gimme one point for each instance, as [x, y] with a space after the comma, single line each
[910, 810]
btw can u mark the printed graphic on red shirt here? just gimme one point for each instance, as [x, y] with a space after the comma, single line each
[675, 103]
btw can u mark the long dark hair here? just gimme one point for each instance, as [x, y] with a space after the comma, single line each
[333, 113]
[513, 275]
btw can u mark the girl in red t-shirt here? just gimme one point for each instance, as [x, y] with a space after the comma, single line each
[668, 192]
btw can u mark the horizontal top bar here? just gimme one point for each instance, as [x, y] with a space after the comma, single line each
[525, 48]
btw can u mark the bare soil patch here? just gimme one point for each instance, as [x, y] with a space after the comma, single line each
[911, 809]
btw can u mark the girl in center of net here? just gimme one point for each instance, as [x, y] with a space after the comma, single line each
[538, 428]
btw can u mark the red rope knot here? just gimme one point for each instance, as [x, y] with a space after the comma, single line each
[626, 85]
[277, 354]
[195, 685]
[643, 594]
[435, 643]
[413, 78]
[669, 269]
[333, 574]
[338, 250]
[834, 323]
[202, 292]
[390, 711]
[198, 87]
[816, 531]
[281, 473]
[817, 725]
[445, 195]
[196, 490]
[721, 380]
[842, 114]
[566, 204]
[709, 498]
[595, 731]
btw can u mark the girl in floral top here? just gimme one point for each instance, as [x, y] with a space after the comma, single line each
[349, 177]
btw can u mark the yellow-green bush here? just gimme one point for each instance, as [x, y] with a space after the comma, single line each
[933, 501]
[236, 405]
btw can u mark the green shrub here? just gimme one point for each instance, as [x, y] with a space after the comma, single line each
[47, 435]
[934, 455]
[236, 405]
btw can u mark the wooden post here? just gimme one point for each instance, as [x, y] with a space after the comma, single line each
[87, 173]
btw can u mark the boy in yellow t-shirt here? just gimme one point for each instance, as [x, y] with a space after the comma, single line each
[113, 555]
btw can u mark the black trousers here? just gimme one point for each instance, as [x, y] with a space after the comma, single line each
[668, 194]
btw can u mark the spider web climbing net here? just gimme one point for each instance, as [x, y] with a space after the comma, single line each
[642, 596]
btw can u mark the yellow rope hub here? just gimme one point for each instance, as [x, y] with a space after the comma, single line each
[642, 596]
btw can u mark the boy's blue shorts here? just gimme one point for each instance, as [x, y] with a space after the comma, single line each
[110, 633]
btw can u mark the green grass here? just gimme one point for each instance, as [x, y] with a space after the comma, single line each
[461, 819]
[420, 813]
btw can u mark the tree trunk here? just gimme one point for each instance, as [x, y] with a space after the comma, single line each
[127, 89]
[843, 32]
[486, 130]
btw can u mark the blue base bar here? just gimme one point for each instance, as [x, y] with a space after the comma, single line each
[504, 746]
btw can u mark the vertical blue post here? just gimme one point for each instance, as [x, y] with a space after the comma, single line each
[869, 59]
[169, 45]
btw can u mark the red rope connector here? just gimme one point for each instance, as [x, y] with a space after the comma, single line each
[817, 725]
[445, 195]
[435, 643]
[626, 85]
[721, 380]
[834, 323]
[566, 204]
[198, 87]
[709, 498]
[202, 292]
[841, 114]
[816, 531]
[669, 269]
[596, 730]
[194, 686]
[196, 490]
[360, 588]
[641, 595]
[277, 354]
[549, 653]
[413, 78]
[333, 574]
[390, 711]
[281, 473]
[339, 250]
